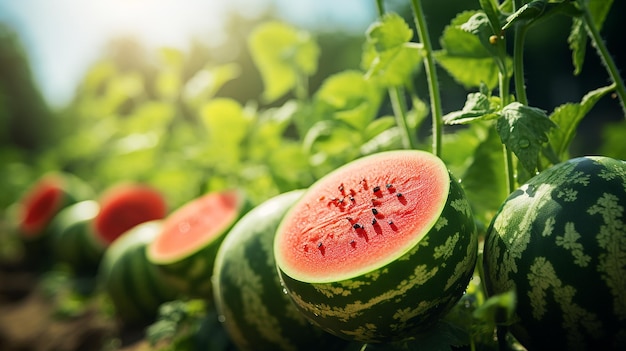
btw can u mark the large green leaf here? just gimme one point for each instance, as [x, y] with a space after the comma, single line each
[284, 55]
[350, 98]
[568, 116]
[524, 130]
[578, 37]
[466, 54]
[388, 54]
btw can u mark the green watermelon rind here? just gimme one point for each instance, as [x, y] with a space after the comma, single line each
[191, 274]
[73, 240]
[406, 296]
[134, 285]
[255, 311]
[559, 241]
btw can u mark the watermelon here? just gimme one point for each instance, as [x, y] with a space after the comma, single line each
[73, 238]
[559, 241]
[51, 193]
[185, 248]
[133, 284]
[248, 296]
[379, 249]
[123, 206]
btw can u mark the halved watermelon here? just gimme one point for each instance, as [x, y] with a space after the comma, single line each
[379, 249]
[51, 193]
[126, 205]
[186, 246]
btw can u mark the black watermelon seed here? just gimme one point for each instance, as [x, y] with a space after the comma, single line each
[320, 244]
[399, 194]
[374, 211]
[374, 221]
[390, 222]
[389, 186]
[376, 189]
[356, 226]
[351, 198]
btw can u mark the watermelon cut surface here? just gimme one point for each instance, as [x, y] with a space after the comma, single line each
[379, 249]
[51, 193]
[354, 227]
[191, 235]
[124, 206]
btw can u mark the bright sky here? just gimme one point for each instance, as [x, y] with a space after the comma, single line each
[63, 37]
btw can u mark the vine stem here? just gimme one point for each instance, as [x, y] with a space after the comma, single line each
[518, 64]
[605, 56]
[431, 75]
[398, 103]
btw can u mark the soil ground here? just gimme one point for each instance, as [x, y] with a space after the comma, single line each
[29, 322]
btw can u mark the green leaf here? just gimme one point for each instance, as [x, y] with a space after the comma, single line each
[207, 81]
[227, 126]
[568, 116]
[577, 40]
[465, 57]
[578, 37]
[484, 179]
[478, 106]
[284, 55]
[388, 33]
[388, 54]
[527, 13]
[493, 14]
[350, 98]
[524, 129]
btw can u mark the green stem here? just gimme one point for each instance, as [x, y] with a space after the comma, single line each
[380, 8]
[518, 64]
[431, 75]
[398, 103]
[503, 81]
[605, 56]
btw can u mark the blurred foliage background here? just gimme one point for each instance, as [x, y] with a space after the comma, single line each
[145, 115]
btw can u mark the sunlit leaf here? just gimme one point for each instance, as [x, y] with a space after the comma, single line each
[150, 116]
[478, 106]
[568, 116]
[168, 84]
[283, 55]
[482, 174]
[465, 57]
[524, 130]
[379, 125]
[207, 81]
[227, 126]
[388, 54]
[97, 76]
[171, 57]
[578, 37]
[351, 98]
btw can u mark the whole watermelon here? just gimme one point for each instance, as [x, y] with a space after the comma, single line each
[559, 241]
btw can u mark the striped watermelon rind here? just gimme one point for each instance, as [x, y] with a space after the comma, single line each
[404, 297]
[73, 239]
[192, 272]
[133, 284]
[559, 241]
[255, 311]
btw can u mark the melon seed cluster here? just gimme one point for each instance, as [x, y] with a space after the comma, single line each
[347, 199]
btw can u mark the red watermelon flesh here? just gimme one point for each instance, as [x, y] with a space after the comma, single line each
[358, 220]
[126, 205]
[40, 204]
[195, 224]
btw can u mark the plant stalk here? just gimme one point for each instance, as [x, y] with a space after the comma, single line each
[605, 56]
[431, 75]
[518, 64]
[398, 103]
